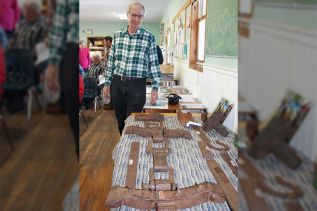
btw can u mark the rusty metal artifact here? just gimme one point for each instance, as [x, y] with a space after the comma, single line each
[231, 194]
[254, 201]
[215, 122]
[144, 132]
[153, 117]
[295, 192]
[167, 200]
[183, 118]
[273, 140]
[255, 182]
[158, 133]
[133, 165]
[228, 160]
[177, 133]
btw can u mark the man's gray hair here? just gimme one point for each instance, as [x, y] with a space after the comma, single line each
[136, 3]
[35, 5]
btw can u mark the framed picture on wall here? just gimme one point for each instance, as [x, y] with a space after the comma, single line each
[246, 8]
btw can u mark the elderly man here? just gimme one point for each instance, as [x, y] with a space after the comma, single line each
[132, 58]
[96, 68]
[32, 29]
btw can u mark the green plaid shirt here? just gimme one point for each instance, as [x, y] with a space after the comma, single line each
[64, 29]
[134, 56]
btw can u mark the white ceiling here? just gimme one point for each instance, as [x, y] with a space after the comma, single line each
[106, 10]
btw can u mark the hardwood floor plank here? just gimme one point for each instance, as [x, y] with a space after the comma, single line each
[39, 173]
[96, 164]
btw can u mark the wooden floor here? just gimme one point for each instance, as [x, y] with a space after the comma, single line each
[39, 173]
[96, 164]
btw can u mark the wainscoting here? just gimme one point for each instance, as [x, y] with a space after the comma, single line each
[276, 58]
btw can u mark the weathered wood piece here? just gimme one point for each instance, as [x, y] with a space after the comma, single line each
[293, 206]
[171, 200]
[133, 165]
[183, 118]
[249, 168]
[158, 134]
[215, 122]
[153, 117]
[231, 194]
[295, 192]
[254, 201]
[272, 140]
[228, 160]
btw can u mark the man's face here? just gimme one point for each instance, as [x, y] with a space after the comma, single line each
[108, 43]
[29, 14]
[135, 16]
[97, 60]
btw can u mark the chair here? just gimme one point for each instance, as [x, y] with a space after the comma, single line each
[91, 92]
[20, 75]
[4, 126]
[82, 114]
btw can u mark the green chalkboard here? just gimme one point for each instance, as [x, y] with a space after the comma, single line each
[289, 2]
[222, 28]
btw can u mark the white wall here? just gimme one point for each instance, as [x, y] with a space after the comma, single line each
[276, 58]
[210, 85]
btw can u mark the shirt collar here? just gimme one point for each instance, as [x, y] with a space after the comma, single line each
[137, 33]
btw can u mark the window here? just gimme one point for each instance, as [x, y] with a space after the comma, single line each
[198, 34]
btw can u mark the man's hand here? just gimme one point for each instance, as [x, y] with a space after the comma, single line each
[106, 91]
[153, 96]
[52, 78]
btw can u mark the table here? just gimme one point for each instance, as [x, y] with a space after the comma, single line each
[188, 99]
[269, 168]
[190, 167]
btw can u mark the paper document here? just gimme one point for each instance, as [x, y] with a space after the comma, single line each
[192, 106]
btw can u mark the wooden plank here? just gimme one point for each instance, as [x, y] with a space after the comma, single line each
[227, 159]
[254, 202]
[230, 193]
[133, 165]
[293, 206]
[249, 168]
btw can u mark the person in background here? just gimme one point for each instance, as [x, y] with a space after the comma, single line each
[62, 71]
[81, 88]
[81, 71]
[3, 43]
[133, 57]
[84, 58]
[32, 29]
[108, 43]
[159, 54]
[96, 68]
[9, 16]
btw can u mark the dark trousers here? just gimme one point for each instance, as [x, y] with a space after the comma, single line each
[127, 97]
[70, 89]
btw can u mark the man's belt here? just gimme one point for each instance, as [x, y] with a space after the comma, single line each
[125, 78]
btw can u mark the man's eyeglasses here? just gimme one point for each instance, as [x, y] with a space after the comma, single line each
[136, 15]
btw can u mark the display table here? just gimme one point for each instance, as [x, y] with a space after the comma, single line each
[186, 159]
[251, 197]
